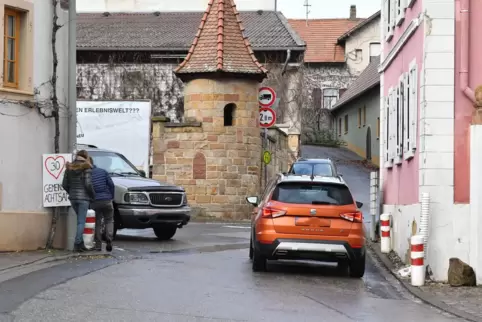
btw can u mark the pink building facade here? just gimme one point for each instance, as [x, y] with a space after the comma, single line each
[429, 71]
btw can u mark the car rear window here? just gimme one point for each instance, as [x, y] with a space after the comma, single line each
[317, 169]
[312, 193]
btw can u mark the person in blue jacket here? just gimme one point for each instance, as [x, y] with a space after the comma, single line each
[103, 206]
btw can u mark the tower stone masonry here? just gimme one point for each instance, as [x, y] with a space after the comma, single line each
[216, 152]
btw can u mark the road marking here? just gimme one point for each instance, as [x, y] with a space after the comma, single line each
[237, 227]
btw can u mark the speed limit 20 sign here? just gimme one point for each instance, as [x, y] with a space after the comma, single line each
[267, 117]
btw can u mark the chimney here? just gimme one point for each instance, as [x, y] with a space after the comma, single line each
[352, 12]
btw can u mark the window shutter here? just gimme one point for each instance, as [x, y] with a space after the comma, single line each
[414, 107]
[406, 113]
[394, 122]
[392, 125]
[386, 15]
[386, 134]
[393, 13]
[399, 110]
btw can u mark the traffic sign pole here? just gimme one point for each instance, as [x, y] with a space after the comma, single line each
[265, 146]
[266, 97]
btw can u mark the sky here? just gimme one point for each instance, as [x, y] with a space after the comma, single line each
[292, 9]
[295, 9]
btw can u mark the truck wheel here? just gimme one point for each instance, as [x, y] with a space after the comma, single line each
[357, 267]
[164, 232]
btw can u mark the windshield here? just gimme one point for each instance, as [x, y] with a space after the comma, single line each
[317, 169]
[312, 193]
[114, 163]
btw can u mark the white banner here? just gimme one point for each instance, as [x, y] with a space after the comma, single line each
[53, 169]
[120, 126]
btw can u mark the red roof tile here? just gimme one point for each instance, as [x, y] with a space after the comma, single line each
[321, 36]
[220, 44]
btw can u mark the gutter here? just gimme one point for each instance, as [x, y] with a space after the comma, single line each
[288, 57]
[338, 106]
[159, 49]
[464, 50]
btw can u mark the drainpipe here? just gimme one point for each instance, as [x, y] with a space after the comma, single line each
[464, 50]
[72, 99]
[288, 57]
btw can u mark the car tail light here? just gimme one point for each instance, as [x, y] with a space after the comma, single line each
[353, 216]
[270, 212]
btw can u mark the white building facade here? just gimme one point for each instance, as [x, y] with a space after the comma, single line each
[25, 133]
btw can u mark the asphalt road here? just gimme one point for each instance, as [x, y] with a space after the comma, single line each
[204, 275]
[356, 176]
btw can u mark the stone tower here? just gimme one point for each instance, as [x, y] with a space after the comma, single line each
[216, 152]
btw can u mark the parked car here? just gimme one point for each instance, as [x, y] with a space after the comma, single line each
[140, 202]
[307, 218]
[315, 167]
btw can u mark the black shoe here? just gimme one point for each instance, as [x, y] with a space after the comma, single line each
[78, 248]
[97, 248]
[108, 247]
[83, 248]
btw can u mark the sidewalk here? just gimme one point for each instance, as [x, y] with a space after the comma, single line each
[464, 302]
[13, 260]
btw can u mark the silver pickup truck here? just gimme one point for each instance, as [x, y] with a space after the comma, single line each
[141, 202]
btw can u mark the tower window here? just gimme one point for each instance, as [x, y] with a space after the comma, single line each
[229, 114]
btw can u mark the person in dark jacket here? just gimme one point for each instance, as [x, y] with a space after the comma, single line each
[77, 183]
[103, 206]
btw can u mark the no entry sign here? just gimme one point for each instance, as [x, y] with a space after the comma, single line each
[267, 117]
[267, 96]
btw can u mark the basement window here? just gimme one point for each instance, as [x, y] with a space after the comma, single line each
[229, 114]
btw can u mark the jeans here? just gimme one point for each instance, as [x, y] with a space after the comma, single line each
[103, 209]
[80, 208]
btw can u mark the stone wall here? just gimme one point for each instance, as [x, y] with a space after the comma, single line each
[218, 165]
[281, 154]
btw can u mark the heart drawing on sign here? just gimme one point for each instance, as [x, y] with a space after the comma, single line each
[55, 166]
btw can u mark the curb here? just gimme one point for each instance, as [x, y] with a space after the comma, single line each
[50, 259]
[417, 292]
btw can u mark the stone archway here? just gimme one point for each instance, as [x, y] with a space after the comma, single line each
[368, 148]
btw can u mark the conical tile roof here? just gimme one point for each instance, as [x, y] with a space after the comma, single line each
[220, 45]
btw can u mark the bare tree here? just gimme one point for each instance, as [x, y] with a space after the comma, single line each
[132, 78]
[299, 88]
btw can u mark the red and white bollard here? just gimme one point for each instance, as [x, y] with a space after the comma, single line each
[385, 243]
[89, 229]
[416, 255]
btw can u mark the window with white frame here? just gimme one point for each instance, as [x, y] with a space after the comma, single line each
[375, 50]
[401, 117]
[411, 108]
[330, 96]
[389, 18]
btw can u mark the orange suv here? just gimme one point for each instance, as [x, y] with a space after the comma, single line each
[307, 218]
